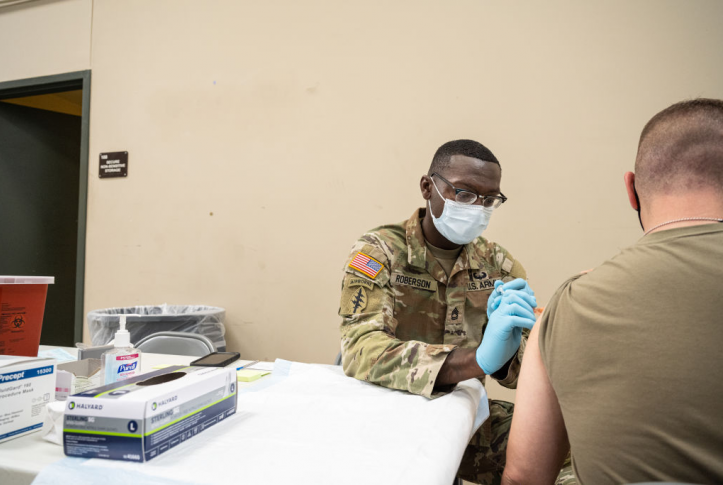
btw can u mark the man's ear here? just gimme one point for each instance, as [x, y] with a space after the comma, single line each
[629, 178]
[425, 185]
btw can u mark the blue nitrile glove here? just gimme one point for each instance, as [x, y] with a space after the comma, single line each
[504, 330]
[519, 285]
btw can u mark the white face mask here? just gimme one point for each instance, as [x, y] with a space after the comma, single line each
[461, 223]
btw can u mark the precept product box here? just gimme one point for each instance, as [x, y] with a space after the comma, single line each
[27, 385]
[139, 418]
[22, 305]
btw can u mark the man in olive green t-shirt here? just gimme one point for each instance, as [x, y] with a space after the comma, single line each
[625, 366]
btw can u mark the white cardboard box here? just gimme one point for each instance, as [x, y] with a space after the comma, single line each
[77, 376]
[139, 418]
[27, 385]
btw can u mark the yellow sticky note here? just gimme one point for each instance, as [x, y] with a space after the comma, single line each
[161, 366]
[248, 375]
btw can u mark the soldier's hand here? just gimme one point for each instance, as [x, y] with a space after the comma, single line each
[504, 330]
[500, 288]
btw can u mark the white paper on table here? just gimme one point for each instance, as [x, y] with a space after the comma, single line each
[310, 424]
[269, 366]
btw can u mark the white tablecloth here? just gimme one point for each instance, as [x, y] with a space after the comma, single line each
[309, 424]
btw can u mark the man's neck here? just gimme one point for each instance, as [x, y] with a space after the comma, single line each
[678, 208]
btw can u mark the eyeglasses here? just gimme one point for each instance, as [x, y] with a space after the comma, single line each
[467, 197]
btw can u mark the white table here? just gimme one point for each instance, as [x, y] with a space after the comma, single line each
[306, 424]
[21, 459]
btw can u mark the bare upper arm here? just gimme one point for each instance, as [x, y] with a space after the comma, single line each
[538, 441]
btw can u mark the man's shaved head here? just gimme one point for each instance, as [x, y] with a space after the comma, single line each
[468, 148]
[681, 149]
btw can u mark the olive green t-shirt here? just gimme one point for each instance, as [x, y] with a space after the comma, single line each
[445, 257]
[634, 351]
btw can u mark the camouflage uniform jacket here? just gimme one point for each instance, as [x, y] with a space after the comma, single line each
[402, 315]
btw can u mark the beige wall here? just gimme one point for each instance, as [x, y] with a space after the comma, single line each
[44, 37]
[300, 125]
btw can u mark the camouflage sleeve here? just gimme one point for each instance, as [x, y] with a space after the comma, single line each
[510, 372]
[370, 351]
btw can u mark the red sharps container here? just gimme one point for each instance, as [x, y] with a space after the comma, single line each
[22, 305]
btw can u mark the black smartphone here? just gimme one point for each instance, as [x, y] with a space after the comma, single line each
[217, 359]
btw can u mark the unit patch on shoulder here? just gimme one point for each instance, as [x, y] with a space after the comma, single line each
[358, 281]
[358, 301]
[507, 265]
[366, 264]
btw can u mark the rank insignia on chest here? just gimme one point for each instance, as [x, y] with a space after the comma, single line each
[366, 264]
[455, 314]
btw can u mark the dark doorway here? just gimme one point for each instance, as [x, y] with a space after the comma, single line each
[43, 192]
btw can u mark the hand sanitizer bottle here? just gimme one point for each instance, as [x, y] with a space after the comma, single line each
[123, 361]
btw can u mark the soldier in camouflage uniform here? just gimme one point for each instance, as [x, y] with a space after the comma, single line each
[408, 314]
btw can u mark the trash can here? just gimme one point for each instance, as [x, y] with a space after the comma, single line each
[204, 320]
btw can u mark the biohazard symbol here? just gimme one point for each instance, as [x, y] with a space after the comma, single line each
[359, 300]
[18, 321]
[455, 314]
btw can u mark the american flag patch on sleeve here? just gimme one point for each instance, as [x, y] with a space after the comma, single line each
[366, 264]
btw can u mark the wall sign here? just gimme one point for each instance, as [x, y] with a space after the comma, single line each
[113, 164]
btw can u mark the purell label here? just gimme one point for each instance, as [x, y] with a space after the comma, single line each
[127, 367]
[120, 367]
